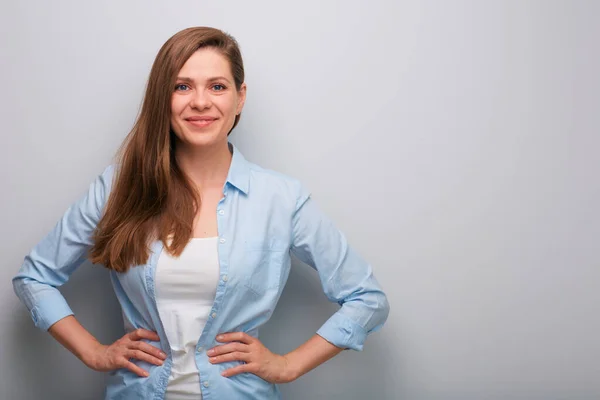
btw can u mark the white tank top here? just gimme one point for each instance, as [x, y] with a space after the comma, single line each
[185, 292]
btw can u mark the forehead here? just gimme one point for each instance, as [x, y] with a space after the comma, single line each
[206, 63]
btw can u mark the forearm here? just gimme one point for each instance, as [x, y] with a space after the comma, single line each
[74, 337]
[310, 355]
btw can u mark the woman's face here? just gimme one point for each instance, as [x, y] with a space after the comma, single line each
[205, 100]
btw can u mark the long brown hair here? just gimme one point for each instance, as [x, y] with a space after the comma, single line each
[151, 197]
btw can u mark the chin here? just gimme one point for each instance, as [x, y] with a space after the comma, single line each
[202, 138]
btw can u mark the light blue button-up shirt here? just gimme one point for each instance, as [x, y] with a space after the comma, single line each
[262, 217]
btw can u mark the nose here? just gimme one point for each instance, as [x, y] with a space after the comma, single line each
[200, 100]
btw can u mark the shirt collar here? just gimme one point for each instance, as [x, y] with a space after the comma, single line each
[239, 171]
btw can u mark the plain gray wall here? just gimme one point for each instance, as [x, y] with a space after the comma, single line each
[454, 142]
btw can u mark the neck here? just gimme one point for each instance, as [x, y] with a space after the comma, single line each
[208, 166]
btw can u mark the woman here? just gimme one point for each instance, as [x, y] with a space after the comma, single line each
[198, 242]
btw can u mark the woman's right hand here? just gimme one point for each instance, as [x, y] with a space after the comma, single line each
[118, 354]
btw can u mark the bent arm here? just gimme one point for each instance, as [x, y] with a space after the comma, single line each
[52, 261]
[310, 355]
[75, 338]
[345, 277]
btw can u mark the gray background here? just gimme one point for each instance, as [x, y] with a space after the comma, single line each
[454, 142]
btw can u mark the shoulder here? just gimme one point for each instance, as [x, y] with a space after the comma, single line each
[274, 183]
[108, 175]
[263, 175]
[101, 187]
[104, 181]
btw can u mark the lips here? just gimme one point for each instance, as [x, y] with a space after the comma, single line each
[200, 121]
[201, 118]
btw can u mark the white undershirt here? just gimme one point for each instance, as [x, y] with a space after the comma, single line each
[185, 292]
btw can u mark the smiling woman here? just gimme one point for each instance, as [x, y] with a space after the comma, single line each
[198, 241]
[206, 101]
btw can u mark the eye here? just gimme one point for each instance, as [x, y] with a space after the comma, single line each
[181, 87]
[218, 87]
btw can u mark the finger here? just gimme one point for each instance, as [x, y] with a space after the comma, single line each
[240, 369]
[144, 334]
[148, 348]
[136, 370]
[140, 355]
[235, 356]
[228, 348]
[235, 337]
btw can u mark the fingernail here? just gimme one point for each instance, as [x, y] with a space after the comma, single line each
[220, 337]
[210, 352]
[163, 355]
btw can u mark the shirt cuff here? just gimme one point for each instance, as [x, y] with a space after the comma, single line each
[53, 310]
[341, 331]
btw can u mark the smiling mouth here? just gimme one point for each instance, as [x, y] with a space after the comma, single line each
[200, 123]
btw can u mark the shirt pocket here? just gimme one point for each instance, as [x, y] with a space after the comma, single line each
[263, 260]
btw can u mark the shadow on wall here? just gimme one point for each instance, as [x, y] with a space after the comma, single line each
[42, 368]
[303, 308]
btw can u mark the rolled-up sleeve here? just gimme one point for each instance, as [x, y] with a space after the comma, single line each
[51, 262]
[345, 277]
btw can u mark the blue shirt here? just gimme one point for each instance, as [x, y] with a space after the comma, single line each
[262, 217]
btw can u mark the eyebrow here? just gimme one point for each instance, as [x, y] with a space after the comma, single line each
[215, 78]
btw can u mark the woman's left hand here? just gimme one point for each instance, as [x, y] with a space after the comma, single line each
[259, 361]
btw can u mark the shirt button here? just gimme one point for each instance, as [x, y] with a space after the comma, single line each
[221, 212]
[225, 278]
[222, 240]
[200, 348]
[206, 384]
[214, 315]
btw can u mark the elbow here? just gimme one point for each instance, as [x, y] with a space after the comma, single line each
[17, 284]
[382, 311]
[385, 308]
[375, 309]
[22, 288]
[23, 282]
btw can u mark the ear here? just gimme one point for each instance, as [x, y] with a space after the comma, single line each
[241, 99]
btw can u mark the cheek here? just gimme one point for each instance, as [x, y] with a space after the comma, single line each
[177, 108]
[228, 106]
[175, 123]
[178, 104]
[175, 120]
